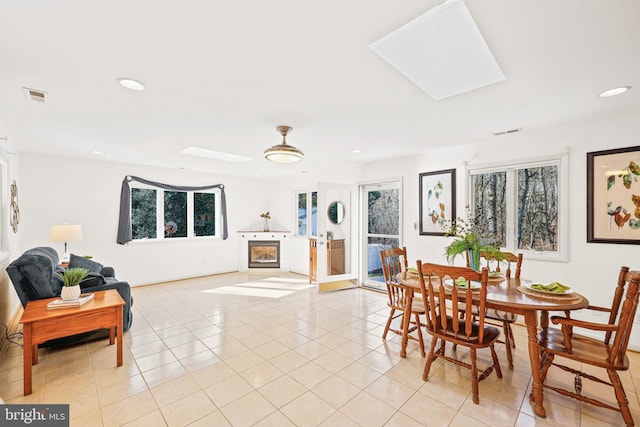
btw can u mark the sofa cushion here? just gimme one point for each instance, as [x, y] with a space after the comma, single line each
[81, 262]
[37, 267]
[92, 279]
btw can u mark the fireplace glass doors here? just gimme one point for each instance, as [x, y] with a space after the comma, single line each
[264, 254]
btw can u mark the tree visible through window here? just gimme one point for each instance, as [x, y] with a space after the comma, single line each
[175, 214]
[524, 200]
[179, 215]
[307, 213]
[204, 214]
[143, 213]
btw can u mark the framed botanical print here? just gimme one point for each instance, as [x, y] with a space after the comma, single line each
[613, 196]
[437, 201]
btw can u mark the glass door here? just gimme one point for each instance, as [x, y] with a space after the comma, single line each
[382, 225]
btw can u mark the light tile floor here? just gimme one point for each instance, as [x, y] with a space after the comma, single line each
[246, 349]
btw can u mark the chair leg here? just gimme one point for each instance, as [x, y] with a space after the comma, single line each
[508, 342]
[418, 326]
[621, 397]
[513, 341]
[474, 377]
[546, 359]
[432, 356]
[496, 362]
[386, 328]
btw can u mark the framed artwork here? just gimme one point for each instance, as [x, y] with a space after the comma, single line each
[613, 196]
[437, 201]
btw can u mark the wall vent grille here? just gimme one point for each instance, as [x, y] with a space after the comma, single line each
[35, 95]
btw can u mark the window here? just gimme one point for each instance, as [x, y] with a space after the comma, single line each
[519, 206]
[172, 214]
[144, 218]
[307, 213]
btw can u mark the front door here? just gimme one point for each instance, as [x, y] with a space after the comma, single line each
[336, 244]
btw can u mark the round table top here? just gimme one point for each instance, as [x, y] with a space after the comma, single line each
[511, 294]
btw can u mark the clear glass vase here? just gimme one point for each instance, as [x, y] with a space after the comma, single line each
[474, 259]
[265, 224]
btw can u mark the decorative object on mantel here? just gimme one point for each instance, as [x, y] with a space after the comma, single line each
[283, 153]
[265, 220]
[15, 209]
[467, 239]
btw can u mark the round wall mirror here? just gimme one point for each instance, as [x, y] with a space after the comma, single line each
[336, 212]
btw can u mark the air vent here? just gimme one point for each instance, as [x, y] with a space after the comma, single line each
[505, 132]
[34, 94]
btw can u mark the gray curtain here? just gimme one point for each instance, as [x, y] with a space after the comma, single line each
[124, 223]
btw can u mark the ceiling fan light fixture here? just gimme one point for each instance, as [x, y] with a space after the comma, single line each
[283, 153]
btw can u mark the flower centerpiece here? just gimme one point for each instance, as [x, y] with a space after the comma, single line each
[265, 220]
[468, 239]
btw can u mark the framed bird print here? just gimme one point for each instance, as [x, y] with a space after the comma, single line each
[437, 201]
[613, 196]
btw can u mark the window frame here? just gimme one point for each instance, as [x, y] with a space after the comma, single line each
[160, 237]
[511, 168]
[296, 195]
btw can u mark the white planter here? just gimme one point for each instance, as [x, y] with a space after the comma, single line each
[70, 292]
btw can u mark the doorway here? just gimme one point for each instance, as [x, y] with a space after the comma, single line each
[334, 252]
[381, 225]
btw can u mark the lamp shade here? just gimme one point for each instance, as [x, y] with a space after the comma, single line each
[65, 233]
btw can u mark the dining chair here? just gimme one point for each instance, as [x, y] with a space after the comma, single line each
[492, 260]
[438, 283]
[608, 353]
[394, 261]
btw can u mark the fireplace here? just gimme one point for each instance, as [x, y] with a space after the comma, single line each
[264, 253]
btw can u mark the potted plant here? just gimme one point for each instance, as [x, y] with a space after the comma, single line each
[467, 239]
[71, 279]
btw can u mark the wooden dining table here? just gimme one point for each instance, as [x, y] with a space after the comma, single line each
[505, 295]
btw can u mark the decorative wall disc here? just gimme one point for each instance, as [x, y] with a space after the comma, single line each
[15, 209]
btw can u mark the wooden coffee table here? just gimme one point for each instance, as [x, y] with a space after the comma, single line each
[41, 324]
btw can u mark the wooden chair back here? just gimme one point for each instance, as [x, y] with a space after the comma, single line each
[394, 261]
[495, 259]
[437, 285]
[622, 314]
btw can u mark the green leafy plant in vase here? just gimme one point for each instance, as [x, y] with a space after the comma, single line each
[468, 239]
[71, 279]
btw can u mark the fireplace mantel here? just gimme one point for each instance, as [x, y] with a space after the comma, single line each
[243, 246]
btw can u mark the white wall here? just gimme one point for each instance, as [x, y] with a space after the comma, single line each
[59, 190]
[592, 268]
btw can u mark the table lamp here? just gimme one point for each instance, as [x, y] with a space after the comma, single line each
[65, 233]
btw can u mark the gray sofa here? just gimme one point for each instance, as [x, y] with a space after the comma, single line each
[34, 277]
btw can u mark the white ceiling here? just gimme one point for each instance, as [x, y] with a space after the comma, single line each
[222, 75]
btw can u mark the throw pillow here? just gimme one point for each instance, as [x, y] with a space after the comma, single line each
[76, 261]
[92, 280]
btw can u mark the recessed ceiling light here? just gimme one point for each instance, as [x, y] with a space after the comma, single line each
[615, 91]
[98, 152]
[356, 151]
[131, 83]
[218, 155]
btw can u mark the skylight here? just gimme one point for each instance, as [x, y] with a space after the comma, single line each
[217, 155]
[441, 51]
